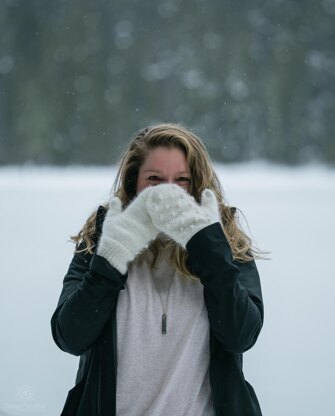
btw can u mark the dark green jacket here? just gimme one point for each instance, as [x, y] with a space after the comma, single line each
[84, 324]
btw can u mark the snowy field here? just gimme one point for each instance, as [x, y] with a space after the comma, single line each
[290, 213]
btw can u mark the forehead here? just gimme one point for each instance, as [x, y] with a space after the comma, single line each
[165, 157]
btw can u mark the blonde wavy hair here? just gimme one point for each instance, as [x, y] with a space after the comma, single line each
[202, 177]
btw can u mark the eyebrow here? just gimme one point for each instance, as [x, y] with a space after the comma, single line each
[158, 171]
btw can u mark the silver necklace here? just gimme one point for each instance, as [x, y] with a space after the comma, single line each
[165, 304]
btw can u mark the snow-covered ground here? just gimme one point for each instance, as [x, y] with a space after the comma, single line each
[290, 212]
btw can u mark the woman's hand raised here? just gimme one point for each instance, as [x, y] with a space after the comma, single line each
[176, 213]
[126, 233]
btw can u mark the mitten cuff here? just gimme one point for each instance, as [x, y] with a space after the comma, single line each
[184, 234]
[116, 254]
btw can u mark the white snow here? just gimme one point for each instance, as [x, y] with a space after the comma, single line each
[290, 212]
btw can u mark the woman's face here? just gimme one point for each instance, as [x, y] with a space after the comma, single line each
[164, 165]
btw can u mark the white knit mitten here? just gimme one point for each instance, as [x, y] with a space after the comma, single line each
[126, 233]
[177, 214]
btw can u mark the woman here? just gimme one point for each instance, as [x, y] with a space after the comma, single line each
[162, 296]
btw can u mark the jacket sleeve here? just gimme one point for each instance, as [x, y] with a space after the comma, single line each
[232, 289]
[89, 294]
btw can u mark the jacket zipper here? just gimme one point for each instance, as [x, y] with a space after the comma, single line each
[115, 365]
[213, 399]
[210, 376]
[115, 353]
[99, 390]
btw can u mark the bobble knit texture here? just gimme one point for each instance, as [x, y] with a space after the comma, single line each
[126, 233]
[178, 215]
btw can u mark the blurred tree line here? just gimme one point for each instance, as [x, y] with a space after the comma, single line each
[254, 79]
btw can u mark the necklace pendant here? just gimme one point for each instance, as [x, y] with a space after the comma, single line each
[164, 323]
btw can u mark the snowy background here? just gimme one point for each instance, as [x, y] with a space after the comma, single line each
[290, 213]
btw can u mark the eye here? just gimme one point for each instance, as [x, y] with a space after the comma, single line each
[184, 179]
[154, 178]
